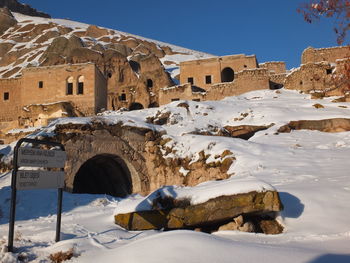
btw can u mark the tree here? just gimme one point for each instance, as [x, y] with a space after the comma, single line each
[336, 9]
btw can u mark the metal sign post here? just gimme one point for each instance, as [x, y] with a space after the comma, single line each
[36, 179]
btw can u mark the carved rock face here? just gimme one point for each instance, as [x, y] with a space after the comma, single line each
[6, 20]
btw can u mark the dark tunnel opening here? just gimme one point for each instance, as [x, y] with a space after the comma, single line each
[103, 174]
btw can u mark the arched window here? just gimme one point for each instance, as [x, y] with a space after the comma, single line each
[227, 75]
[80, 90]
[69, 86]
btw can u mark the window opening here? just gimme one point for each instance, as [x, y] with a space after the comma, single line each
[208, 79]
[69, 90]
[6, 95]
[149, 83]
[80, 90]
[227, 75]
[122, 97]
[41, 84]
[190, 80]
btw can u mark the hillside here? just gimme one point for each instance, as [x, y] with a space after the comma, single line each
[308, 167]
[36, 41]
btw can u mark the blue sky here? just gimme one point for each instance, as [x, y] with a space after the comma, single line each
[271, 29]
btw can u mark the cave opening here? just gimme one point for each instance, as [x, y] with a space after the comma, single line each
[103, 174]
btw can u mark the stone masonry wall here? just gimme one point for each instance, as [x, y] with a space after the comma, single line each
[324, 54]
[311, 77]
[199, 69]
[54, 86]
[9, 108]
[274, 67]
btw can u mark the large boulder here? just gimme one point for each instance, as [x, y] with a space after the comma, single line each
[61, 46]
[216, 211]
[326, 125]
[6, 19]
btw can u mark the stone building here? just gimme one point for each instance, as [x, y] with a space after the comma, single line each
[318, 71]
[80, 89]
[219, 77]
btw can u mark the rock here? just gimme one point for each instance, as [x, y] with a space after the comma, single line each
[214, 211]
[228, 226]
[5, 47]
[245, 131]
[83, 55]
[318, 106]
[25, 9]
[6, 19]
[326, 125]
[126, 51]
[96, 32]
[271, 227]
[247, 227]
[61, 46]
[238, 220]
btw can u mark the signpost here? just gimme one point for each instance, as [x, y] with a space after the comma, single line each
[36, 179]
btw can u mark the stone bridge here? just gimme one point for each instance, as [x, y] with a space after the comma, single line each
[120, 160]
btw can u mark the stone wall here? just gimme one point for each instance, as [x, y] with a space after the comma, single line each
[324, 54]
[140, 149]
[244, 81]
[10, 102]
[274, 67]
[31, 99]
[277, 80]
[49, 85]
[311, 78]
[212, 68]
[180, 92]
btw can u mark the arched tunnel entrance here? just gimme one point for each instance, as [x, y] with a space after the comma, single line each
[103, 174]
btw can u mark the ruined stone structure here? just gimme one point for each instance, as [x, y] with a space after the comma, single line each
[82, 86]
[119, 160]
[219, 77]
[331, 54]
[318, 72]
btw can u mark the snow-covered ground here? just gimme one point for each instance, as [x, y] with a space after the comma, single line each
[310, 169]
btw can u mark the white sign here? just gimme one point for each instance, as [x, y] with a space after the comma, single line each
[27, 180]
[29, 157]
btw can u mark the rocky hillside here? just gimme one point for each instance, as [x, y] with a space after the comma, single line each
[15, 6]
[27, 41]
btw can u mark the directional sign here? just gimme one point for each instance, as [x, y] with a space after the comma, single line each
[27, 180]
[29, 157]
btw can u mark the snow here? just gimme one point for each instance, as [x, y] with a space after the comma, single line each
[180, 53]
[196, 195]
[310, 170]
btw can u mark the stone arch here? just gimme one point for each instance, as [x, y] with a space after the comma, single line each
[100, 146]
[104, 174]
[227, 75]
[136, 106]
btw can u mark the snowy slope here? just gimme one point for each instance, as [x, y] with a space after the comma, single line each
[310, 169]
[35, 49]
